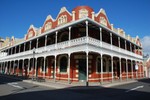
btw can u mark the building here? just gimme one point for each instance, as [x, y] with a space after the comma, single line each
[77, 46]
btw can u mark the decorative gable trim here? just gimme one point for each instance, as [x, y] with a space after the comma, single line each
[103, 12]
[31, 32]
[63, 9]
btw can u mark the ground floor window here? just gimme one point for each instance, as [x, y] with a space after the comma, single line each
[104, 65]
[63, 64]
[98, 64]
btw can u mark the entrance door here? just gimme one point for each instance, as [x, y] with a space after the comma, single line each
[82, 69]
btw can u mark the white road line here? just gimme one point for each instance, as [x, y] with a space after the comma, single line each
[15, 85]
[135, 88]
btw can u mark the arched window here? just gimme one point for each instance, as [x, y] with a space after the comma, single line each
[30, 34]
[83, 13]
[64, 37]
[104, 65]
[48, 26]
[62, 20]
[103, 21]
[98, 64]
[63, 64]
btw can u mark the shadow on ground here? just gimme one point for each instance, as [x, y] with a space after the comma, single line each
[78, 93]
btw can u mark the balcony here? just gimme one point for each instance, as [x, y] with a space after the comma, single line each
[72, 43]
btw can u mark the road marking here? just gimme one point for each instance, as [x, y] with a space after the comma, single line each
[15, 85]
[135, 88]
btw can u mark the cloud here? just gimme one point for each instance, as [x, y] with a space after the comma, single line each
[146, 44]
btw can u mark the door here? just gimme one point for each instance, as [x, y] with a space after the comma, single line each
[82, 69]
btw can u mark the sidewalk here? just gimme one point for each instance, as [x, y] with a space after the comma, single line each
[77, 85]
[74, 85]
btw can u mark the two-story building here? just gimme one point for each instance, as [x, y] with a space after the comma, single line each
[75, 46]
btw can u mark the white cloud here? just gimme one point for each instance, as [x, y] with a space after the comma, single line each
[146, 44]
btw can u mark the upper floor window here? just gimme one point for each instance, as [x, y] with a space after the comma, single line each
[48, 26]
[83, 13]
[103, 21]
[30, 34]
[62, 19]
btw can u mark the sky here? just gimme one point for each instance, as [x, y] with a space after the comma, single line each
[133, 16]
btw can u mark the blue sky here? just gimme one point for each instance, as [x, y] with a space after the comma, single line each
[17, 15]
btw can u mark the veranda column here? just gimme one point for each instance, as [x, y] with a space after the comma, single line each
[44, 67]
[119, 43]
[1, 68]
[36, 69]
[69, 35]
[100, 32]
[132, 68]
[4, 68]
[127, 68]
[69, 68]
[7, 67]
[22, 67]
[87, 67]
[120, 69]
[130, 47]
[111, 40]
[101, 68]
[18, 68]
[10, 68]
[30, 45]
[112, 68]
[28, 66]
[55, 69]
[87, 70]
[37, 42]
[125, 45]
[14, 67]
[45, 40]
[69, 57]
[33, 67]
[56, 40]
[87, 34]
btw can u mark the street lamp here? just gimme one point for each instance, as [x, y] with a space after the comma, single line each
[33, 64]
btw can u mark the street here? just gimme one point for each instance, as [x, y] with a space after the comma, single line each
[15, 89]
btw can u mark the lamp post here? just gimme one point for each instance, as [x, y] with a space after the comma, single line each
[33, 64]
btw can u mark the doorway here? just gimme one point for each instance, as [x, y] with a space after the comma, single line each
[82, 69]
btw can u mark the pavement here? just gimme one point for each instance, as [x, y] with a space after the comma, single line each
[64, 84]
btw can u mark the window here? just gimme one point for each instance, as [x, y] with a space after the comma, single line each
[83, 13]
[98, 64]
[104, 65]
[63, 64]
[62, 20]
[103, 21]
[64, 37]
[48, 26]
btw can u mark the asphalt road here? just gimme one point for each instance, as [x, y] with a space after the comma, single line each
[15, 89]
